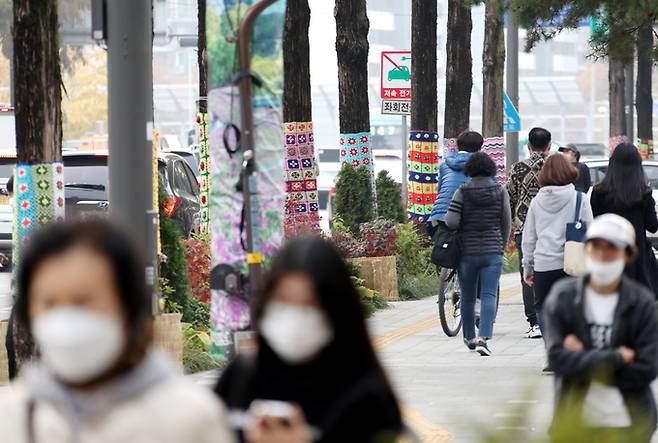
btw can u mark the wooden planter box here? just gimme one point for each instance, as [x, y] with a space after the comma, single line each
[380, 274]
[168, 336]
[4, 363]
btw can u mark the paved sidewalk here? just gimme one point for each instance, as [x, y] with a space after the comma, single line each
[448, 388]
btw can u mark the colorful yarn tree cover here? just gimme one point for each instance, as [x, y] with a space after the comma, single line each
[423, 183]
[495, 148]
[204, 172]
[449, 145]
[38, 200]
[156, 188]
[356, 150]
[646, 148]
[301, 204]
[613, 142]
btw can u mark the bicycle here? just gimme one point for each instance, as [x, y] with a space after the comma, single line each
[449, 299]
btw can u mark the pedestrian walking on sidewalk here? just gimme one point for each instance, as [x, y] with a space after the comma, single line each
[83, 296]
[602, 340]
[624, 191]
[522, 186]
[544, 234]
[584, 180]
[451, 177]
[315, 359]
[480, 209]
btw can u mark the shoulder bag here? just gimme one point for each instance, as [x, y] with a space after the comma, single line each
[574, 247]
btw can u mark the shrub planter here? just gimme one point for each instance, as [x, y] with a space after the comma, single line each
[168, 336]
[380, 274]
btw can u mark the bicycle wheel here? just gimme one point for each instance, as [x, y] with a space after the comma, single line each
[448, 301]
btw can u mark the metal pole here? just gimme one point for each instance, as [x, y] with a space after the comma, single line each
[629, 98]
[512, 147]
[405, 165]
[249, 191]
[130, 100]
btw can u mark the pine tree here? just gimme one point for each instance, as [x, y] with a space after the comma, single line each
[353, 201]
[389, 198]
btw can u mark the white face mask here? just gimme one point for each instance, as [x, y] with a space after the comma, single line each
[605, 273]
[296, 333]
[77, 344]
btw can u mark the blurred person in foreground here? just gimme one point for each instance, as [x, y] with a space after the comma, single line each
[522, 186]
[584, 180]
[82, 294]
[602, 340]
[315, 376]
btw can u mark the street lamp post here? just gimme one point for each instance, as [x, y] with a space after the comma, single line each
[249, 191]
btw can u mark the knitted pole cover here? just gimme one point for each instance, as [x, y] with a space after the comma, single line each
[449, 145]
[156, 187]
[301, 206]
[645, 146]
[614, 141]
[38, 200]
[422, 187]
[204, 172]
[495, 148]
[356, 150]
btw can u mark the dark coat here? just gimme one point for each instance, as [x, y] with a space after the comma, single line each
[643, 217]
[635, 326]
[584, 180]
[343, 406]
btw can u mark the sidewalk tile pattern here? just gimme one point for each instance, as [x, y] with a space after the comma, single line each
[423, 164]
[645, 146]
[204, 171]
[39, 199]
[301, 206]
[495, 148]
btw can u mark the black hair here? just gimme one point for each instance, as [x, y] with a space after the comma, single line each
[539, 139]
[480, 165]
[625, 183]
[470, 141]
[110, 242]
[338, 298]
[10, 185]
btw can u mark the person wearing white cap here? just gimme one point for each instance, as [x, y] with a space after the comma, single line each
[601, 334]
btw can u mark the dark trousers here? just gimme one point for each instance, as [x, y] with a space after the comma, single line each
[544, 281]
[528, 292]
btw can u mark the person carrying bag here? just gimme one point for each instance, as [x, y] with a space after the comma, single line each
[574, 247]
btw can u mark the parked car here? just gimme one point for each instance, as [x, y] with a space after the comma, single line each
[598, 169]
[86, 191]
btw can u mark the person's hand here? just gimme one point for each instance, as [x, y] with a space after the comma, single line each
[275, 430]
[627, 354]
[529, 280]
[571, 343]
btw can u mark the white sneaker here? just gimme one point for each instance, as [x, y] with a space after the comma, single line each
[534, 332]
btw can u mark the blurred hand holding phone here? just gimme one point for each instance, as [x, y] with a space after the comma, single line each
[270, 421]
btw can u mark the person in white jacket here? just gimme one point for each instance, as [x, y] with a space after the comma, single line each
[82, 297]
[544, 232]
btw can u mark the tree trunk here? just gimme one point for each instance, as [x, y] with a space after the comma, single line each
[38, 97]
[616, 97]
[423, 68]
[38, 82]
[296, 63]
[202, 57]
[352, 27]
[644, 99]
[493, 69]
[459, 67]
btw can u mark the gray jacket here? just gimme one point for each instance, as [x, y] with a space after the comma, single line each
[544, 232]
[480, 209]
[635, 326]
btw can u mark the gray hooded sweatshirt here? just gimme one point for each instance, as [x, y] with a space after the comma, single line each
[544, 233]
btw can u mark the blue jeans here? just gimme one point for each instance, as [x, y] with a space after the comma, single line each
[486, 270]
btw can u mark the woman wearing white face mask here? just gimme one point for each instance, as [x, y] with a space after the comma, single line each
[83, 297]
[314, 358]
[602, 340]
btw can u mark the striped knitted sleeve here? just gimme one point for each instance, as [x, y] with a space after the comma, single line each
[454, 216]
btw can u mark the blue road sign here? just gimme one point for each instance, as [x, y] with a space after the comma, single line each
[512, 119]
